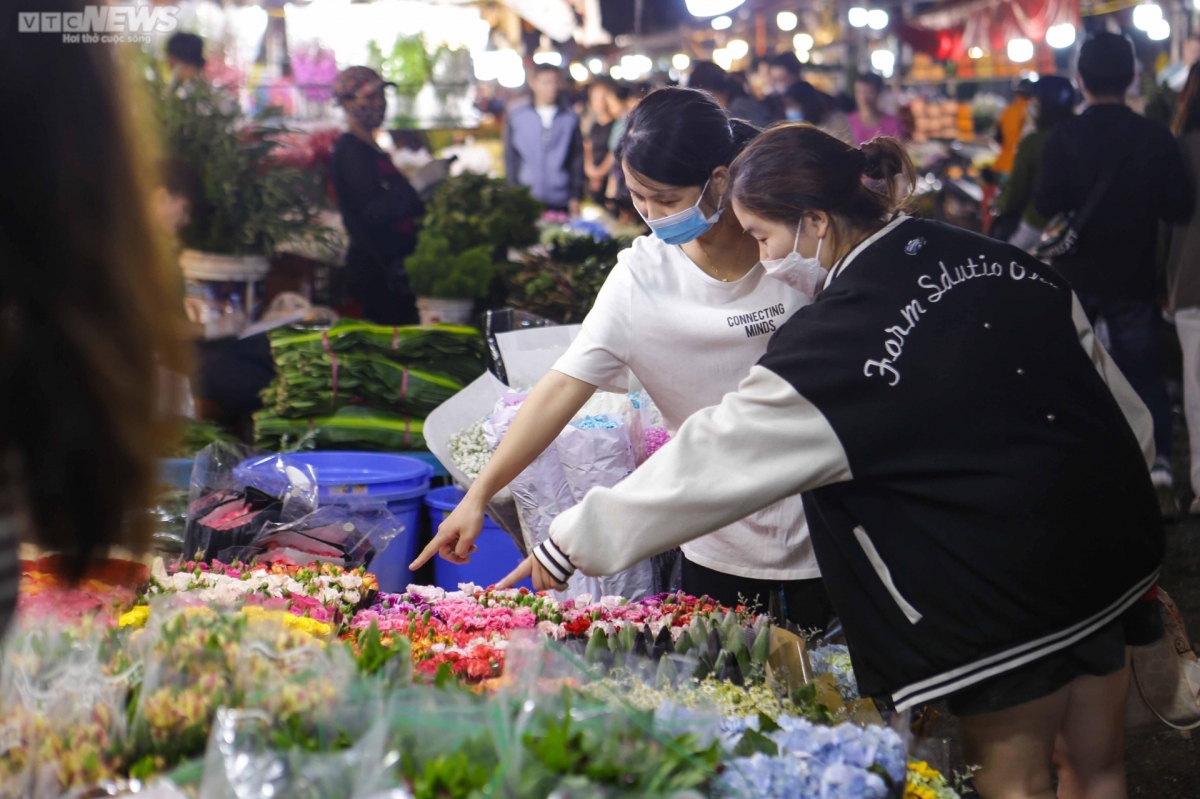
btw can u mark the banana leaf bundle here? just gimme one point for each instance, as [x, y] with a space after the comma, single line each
[317, 383]
[446, 349]
[349, 428]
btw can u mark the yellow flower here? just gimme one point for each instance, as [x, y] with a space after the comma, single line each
[136, 617]
[317, 629]
[925, 770]
[914, 791]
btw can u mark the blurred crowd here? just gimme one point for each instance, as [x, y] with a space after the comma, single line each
[561, 137]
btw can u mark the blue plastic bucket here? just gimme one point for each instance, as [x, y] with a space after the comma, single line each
[496, 557]
[352, 478]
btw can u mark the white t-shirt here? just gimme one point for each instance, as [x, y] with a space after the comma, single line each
[690, 339]
[547, 113]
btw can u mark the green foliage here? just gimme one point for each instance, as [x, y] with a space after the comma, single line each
[434, 271]
[560, 281]
[252, 203]
[474, 211]
[407, 66]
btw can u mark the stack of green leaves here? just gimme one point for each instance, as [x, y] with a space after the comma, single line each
[352, 427]
[454, 351]
[311, 384]
[362, 386]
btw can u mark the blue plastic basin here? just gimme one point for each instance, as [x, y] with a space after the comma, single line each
[351, 478]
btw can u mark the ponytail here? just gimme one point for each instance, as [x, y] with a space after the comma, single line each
[795, 167]
[677, 137]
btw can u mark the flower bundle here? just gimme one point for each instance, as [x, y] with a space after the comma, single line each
[790, 758]
[320, 595]
[926, 782]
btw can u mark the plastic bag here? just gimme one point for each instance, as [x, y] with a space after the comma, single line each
[506, 321]
[62, 700]
[346, 536]
[223, 513]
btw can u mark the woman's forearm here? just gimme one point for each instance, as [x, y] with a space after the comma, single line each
[548, 409]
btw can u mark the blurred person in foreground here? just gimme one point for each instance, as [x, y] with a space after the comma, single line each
[1183, 273]
[869, 121]
[1113, 267]
[379, 207]
[84, 284]
[543, 145]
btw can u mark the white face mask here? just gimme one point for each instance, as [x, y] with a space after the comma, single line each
[805, 275]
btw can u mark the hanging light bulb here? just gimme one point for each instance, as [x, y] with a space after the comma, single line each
[975, 52]
[738, 48]
[787, 21]
[1146, 15]
[1061, 35]
[722, 23]
[708, 8]
[858, 17]
[1020, 50]
[877, 19]
[579, 73]
[803, 41]
[1160, 30]
[681, 61]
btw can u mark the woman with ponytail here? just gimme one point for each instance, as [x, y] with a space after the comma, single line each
[974, 469]
[688, 310]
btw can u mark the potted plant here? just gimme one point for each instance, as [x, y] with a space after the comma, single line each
[447, 284]
[252, 201]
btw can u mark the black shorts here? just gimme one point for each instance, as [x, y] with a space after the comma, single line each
[1100, 654]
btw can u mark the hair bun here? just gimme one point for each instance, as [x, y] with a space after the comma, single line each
[872, 161]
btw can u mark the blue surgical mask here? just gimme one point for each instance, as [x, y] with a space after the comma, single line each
[794, 115]
[685, 226]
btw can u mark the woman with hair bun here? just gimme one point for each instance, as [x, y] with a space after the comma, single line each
[974, 469]
[688, 310]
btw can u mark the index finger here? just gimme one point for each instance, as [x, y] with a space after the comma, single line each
[432, 548]
[518, 574]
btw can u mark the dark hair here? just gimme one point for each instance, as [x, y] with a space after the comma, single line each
[1187, 118]
[813, 104]
[873, 79]
[1106, 64]
[187, 48]
[602, 81]
[787, 61]
[541, 69]
[85, 309]
[677, 137]
[794, 167]
[1056, 101]
[709, 77]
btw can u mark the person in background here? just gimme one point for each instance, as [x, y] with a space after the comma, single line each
[687, 310]
[709, 77]
[543, 145]
[86, 284]
[630, 95]
[1010, 127]
[785, 72]
[1054, 103]
[1183, 272]
[1113, 266]
[185, 57]
[972, 464]
[869, 121]
[606, 108]
[379, 207]
[804, 103]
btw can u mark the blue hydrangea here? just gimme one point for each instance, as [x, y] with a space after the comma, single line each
[815, 762]
[598, 423]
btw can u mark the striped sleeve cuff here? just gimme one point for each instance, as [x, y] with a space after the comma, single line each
[553, 560]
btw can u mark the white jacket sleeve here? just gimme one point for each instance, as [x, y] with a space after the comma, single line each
[762, 443]
[1135, 410]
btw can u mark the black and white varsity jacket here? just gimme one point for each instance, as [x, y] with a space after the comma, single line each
[974, 467]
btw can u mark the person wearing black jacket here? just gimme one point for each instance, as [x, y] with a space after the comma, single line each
[974, 468]
[379, 207]
[1113, 268]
